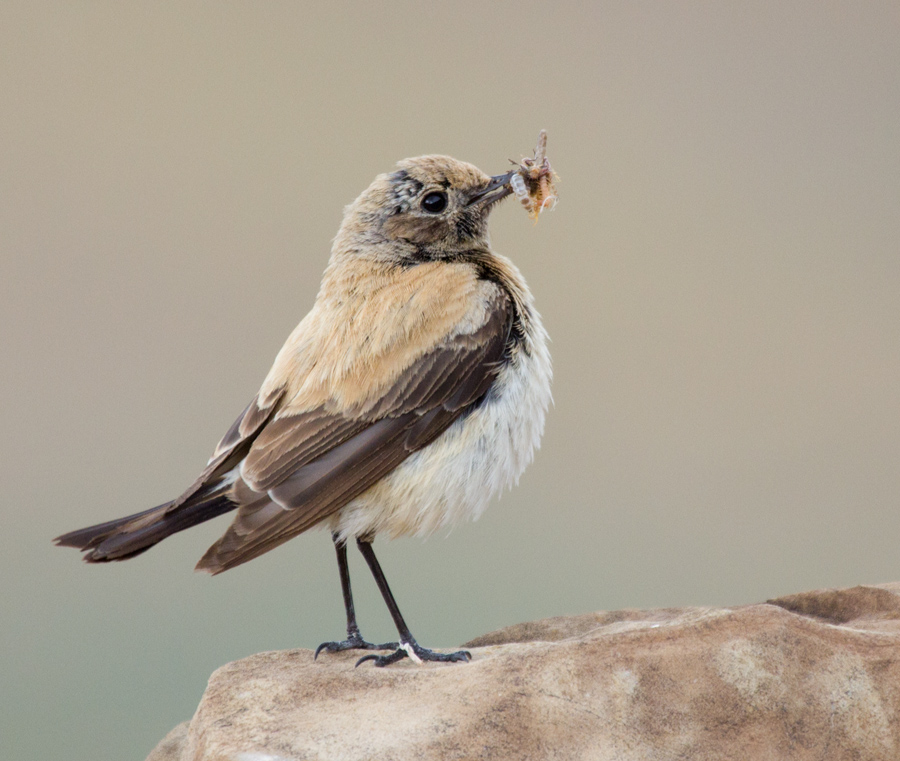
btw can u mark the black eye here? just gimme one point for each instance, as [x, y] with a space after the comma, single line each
[435, 203]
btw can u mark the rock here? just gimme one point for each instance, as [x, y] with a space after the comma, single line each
[170, 748]
[809, 676]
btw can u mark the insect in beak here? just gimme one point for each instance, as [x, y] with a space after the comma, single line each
[494, 191]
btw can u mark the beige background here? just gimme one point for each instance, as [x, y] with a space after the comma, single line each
[720, 281]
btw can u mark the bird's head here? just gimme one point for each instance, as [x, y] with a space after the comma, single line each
[429, 208]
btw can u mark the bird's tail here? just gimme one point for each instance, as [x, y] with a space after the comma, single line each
[129, 536]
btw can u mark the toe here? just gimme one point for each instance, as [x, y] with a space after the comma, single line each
[383, 660]
[352, 644]
[417, 653]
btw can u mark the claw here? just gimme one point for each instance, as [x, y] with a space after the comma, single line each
[417, 653]
[352, 643]
[383, 660]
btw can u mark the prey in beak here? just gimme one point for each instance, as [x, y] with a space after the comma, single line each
[497, 189]
[532, 180]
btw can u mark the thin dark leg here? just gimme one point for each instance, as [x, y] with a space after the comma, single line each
[354, 639]
[408, 645]
[344, 571]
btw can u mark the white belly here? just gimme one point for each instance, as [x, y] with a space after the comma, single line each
[455, 477]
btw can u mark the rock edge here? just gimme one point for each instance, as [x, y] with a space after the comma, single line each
[814, 675]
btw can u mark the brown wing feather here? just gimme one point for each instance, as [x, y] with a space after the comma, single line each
[233, 447]
[206, 498]
[302, 468]
[291, 442]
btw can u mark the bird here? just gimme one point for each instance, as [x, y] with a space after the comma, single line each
[414, 391]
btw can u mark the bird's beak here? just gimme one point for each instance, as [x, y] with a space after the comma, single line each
[495, 190]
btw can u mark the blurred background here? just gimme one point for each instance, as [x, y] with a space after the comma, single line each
[721, 282]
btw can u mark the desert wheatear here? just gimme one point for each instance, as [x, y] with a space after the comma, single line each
[413, 391]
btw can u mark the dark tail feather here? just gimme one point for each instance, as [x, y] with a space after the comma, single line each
[129, 536]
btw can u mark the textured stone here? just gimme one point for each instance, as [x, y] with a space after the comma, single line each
[171, 747]
[809, 676]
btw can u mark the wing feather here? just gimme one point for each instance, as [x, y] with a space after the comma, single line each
[233, 447]
[302, 467]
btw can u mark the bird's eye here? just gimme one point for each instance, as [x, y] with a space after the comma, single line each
[435, 203]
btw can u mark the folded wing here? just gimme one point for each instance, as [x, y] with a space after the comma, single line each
[301, 467]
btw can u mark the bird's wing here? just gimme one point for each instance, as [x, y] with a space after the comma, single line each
[233, 447]
[303, 466]
[206, 498]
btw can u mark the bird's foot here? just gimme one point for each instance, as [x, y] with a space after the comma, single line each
[353, 642]
[419, 654]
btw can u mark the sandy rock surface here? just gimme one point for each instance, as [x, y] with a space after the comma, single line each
[810, 676]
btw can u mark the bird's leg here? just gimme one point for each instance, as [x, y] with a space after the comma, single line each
[408, 645]
[354, 639]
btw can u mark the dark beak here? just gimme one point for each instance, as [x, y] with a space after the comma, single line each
[497, 189]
